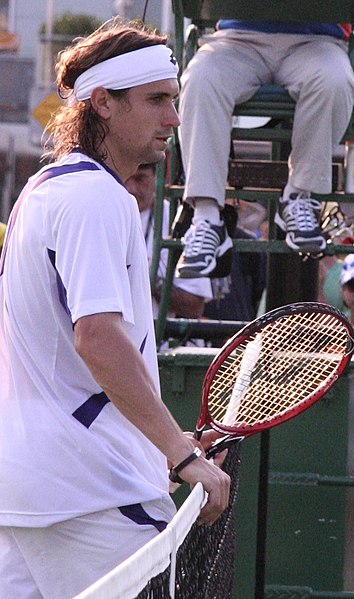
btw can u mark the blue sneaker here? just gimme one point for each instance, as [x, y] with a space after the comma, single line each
[299, 218]
[204, 245]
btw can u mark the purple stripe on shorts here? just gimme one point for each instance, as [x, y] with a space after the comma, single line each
[137, 513]
[91, 408]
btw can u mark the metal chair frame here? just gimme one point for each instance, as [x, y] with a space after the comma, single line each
[270, 101]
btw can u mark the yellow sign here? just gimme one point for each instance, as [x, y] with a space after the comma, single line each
[43, 111]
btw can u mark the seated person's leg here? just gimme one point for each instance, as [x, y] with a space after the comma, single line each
[318, 75]
[225, 71]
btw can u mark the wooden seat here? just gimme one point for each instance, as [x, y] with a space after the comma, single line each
[331, 11]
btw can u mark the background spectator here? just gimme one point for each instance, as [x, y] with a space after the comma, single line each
[188, 296]
[347, 283]
[311, 61]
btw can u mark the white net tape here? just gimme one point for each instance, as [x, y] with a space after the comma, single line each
[128, 579]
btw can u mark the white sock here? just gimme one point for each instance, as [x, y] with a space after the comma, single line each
[289, 189]
[206, 209]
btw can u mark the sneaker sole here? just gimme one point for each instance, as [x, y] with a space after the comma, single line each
[186, 271]
[308, 247]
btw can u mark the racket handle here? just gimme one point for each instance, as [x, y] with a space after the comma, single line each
[222, 444]
[198, 433]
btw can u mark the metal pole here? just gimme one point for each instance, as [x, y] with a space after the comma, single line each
[166, 17]
[48, 43]
[289, 280]
[11, 17]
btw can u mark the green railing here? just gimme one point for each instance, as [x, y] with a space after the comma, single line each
[307, 458]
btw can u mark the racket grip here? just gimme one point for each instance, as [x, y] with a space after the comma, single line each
[198, 434]
[221, 444]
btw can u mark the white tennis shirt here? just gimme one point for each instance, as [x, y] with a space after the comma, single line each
[74, 247]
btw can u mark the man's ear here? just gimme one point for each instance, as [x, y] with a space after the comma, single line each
[101, 102]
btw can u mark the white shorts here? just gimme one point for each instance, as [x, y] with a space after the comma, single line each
[62, 560]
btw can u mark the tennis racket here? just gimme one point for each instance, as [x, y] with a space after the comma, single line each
[273, 369]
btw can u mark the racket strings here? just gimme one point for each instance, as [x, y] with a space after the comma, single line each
[292, 358]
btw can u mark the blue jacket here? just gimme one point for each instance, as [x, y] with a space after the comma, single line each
[342, 31]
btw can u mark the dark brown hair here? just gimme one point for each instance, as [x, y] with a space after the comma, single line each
[77, 124]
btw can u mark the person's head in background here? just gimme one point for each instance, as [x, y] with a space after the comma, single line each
[347, 283]
[142, 185]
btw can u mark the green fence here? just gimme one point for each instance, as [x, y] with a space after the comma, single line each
[310, 552]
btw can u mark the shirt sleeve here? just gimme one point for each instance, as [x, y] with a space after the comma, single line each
[91, 239]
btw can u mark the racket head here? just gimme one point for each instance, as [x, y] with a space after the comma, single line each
[274, 368]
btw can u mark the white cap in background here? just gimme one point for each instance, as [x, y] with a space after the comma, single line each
[347, 273]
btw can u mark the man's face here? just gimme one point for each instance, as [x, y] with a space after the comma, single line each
[142, 186]
[141, 123]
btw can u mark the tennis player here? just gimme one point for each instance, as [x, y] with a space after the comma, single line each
[84, 435]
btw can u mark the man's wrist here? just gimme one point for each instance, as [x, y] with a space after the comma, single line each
[174, 472]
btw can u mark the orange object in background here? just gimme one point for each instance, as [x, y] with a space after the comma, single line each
[9, 42]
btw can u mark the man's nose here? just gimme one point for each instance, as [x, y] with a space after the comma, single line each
[172, 118]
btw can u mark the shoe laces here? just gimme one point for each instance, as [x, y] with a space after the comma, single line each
[200, 239]
[301, 212]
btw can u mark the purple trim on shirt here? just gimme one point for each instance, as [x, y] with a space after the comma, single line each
[137, 513]
[56, 171]
[142, 346]
[50, 173]
[60, 285]
[107, 168]
[91, 408]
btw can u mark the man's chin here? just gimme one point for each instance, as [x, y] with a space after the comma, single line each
[160, 156]
[154, 157]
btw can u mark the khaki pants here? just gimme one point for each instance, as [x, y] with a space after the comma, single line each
[229, 68]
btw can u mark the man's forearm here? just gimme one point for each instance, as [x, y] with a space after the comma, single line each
[119, 369]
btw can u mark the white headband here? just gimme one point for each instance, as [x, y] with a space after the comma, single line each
[146, 65]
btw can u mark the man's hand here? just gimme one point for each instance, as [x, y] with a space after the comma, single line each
[215, 482]
[207, 440]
